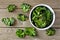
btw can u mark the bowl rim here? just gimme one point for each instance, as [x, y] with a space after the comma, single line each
[50, 10]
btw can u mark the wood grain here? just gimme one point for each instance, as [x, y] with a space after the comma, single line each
[52, 3]
[9, 34]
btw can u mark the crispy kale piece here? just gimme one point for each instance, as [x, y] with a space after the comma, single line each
[30, 31]
[11, 7]
[25, 7]
[22, 17]
[20, 33]
[8, 21]
[40, 23]
[50, 31]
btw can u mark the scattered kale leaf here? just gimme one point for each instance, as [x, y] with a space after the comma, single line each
[8, 21]
[22, 17]
[20, 33]
[11, 7]
[30, 31]
[25, 7]
[50, 31]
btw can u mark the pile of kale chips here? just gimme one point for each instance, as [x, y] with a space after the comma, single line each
[41, 17]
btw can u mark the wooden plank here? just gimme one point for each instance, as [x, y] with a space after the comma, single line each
[9, 34]
[5, 13]
[52, 3]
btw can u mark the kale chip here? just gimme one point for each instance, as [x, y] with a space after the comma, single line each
[8, 21]
[20, 33]
[11, 7]
[30, 31]
[22, 17]
[25, 7]
[50, 31]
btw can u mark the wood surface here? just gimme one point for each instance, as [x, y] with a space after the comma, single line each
[8, 33]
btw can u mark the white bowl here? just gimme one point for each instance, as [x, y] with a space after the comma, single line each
[49, 9]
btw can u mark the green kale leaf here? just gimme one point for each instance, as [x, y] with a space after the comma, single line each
[11, 7]
[22, 17]
[50, 31]
[25, 7]
[20, 33]
[8, 21]
[30, 31]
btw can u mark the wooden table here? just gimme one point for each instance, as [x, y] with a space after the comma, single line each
[8, 33]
